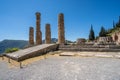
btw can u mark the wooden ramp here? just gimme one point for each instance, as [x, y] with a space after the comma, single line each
[32, 52]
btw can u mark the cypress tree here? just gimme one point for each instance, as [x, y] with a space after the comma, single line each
[118, 23]
[102, 32]
[91, 34]
[114, 25]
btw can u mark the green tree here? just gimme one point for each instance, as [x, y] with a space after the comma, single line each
[91, 34]
[114, 25]
[103, 32]
[118, 23]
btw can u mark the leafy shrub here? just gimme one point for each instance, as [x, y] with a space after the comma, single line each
[10, 50]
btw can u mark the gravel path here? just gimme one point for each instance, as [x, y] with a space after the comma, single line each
[65, 68]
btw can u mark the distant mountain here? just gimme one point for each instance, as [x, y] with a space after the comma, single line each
[17, 43]
[53, 40]
[20, 44]
[12, 43]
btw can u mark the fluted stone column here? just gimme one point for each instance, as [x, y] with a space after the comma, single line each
[38, 31]
[61, 31]
[31, 36]
[47, 34]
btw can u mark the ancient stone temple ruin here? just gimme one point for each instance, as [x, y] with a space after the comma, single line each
[38, 30]
[47, 34]
[61, 31]
[31, 36]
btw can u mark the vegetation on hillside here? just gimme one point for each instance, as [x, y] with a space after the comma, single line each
[115, 27]
[12, 44]
[103, 32]
[10, 50]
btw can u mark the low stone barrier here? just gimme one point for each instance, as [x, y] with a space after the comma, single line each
[32, 52]
[89, 48]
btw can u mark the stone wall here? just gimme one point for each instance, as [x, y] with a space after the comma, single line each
[89, 47]
[105, 39]
[81, 41]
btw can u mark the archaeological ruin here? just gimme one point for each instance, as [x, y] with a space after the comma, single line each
[80, 41]
[47, 34]
[61, 31]
[31, 36]
[81, 44]
[103, 44]
[116, 37]
[38, 29]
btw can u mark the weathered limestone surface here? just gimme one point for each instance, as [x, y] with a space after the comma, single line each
[47, 34]
[116, 37]
[38, 31]
[32, 52]
[81, 41]
[61, 31]
[31, 36]
[103, 48]
[105, 39]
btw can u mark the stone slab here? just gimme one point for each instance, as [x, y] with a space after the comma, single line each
[86, 55]
[104, 55]
[32, 51]
[67, 54]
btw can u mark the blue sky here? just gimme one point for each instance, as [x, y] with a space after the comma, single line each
[16, 16]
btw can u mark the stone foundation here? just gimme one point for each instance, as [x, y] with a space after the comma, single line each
[86, 47]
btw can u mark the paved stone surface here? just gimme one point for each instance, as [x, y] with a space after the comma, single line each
[67, 54]
[65, 68]
[104, 55]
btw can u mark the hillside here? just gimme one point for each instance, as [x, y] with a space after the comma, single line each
[115, 28]
[12, 43]
[19, 44]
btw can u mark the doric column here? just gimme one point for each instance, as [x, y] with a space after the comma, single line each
[38, 31]
[31, 36]
[47, 34]
[61, 32]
